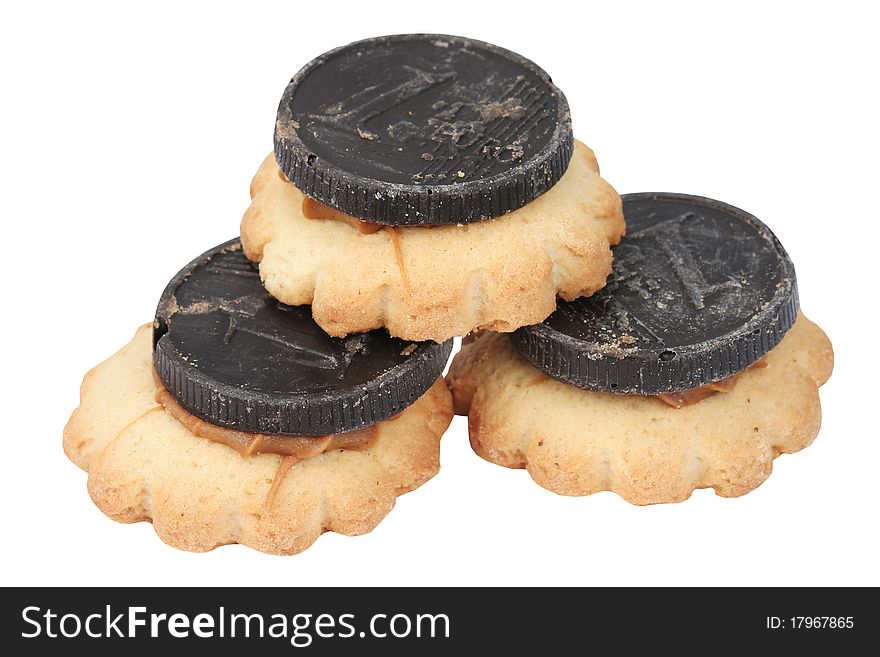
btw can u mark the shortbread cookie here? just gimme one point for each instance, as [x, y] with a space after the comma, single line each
[691, 369]
[234, 419]
[144, 464]
[432, 283]
[431, 185]
[578, 442]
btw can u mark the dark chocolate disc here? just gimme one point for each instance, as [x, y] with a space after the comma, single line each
[232, 355]
[423, 129]
[700, 290]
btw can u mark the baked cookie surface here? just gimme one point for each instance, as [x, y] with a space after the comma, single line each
[575, 442]
[433, 283]
[143, 464]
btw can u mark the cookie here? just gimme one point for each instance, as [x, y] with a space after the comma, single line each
[145, 465]
[578, 442]
[691, 369]
[433, 283]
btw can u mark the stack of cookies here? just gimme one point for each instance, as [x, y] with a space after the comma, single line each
[424, 187]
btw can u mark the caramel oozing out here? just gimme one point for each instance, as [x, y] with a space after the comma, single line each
[280, 474]
[535, 380]
[247, 444]
[398, 254]
[313, 209]
[684, 398]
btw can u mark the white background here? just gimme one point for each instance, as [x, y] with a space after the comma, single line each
[127, 142]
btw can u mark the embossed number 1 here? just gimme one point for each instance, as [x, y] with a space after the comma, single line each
[687, 269]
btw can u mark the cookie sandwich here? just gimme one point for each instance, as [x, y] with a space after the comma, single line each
[429, 185]
[693, 368]
[233, 418]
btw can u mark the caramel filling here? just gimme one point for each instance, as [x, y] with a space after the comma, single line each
[535, 380]
[283, 468]
[398, 254]
[246, 444]
[313, 209]
[684, 398]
